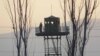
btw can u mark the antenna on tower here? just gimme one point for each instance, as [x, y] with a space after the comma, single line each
[51, 8]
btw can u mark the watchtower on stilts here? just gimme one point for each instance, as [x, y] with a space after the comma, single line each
[52, 33]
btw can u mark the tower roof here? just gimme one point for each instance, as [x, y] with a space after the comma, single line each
[50, 18]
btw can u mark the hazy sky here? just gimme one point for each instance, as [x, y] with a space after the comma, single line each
[40, 9]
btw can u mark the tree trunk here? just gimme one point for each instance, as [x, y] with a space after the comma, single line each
[84, 39]
[18, 51]
[74, 40]
[25, 49]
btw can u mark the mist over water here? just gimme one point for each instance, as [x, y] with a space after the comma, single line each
[36, 44]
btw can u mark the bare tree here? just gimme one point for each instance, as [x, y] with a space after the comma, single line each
[80, 13]
[19, 13]
[89, 9]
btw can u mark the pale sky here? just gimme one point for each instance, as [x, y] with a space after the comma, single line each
[40, 9]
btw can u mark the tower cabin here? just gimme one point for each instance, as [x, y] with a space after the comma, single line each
[51, 27]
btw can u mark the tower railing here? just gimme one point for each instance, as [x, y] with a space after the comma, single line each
[62, 29]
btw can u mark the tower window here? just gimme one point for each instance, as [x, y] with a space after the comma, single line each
[52, 22]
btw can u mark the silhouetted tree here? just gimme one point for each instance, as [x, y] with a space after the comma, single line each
[80, 13]
[19, 13]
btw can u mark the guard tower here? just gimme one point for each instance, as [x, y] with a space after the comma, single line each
[52, 33]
